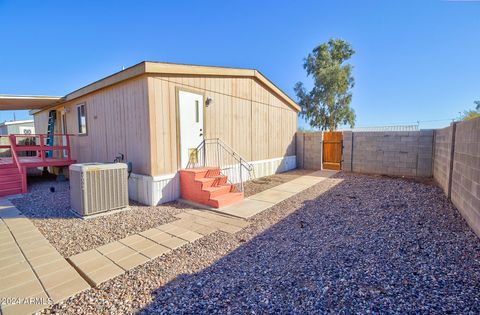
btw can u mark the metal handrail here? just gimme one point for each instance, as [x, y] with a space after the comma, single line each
[247, 165]
[222, 152]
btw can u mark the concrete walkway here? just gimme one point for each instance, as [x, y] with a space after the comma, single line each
[108, 261]
[105, 262]
[255, 204]
[32, 273]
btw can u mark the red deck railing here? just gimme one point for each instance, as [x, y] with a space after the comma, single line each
[35, 143]
[28, 151]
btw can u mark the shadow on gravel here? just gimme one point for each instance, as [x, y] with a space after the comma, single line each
[369, 244]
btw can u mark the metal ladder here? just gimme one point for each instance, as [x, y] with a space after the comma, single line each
[52, 117]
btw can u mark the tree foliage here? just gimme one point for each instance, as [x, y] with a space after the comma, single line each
[328, 103]
[472, 113]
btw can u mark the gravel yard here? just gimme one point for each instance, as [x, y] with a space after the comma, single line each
[350, 244]
[70, 235]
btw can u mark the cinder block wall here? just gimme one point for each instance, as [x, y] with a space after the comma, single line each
[442, 158]
[309, 150]
[400, 153]
[451, 155]
[347, 151]
[463, 139]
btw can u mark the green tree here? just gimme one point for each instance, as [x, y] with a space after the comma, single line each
[472, 113]
[328, 103]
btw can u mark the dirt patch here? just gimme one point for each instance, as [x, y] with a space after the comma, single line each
[258, 185]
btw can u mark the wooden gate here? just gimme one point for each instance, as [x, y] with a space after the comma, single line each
[332, 150]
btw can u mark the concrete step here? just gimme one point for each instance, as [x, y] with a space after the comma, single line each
[207, 186]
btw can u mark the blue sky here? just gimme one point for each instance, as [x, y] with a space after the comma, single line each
[415, 60]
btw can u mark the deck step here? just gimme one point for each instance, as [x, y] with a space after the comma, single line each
[5, 178]
[10, 191]
[7, 167]
[11, 185]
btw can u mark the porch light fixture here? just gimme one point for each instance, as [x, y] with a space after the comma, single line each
[208, 101]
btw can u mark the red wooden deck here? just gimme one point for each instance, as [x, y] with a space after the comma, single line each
[35, 161]
[13, 168]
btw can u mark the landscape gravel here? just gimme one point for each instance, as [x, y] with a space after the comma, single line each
[48, 205]
[50, 213]
[351, 244]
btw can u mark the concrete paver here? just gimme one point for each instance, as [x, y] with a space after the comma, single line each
[213, 224]
[247, 208]
[272, 196]
[68, 289]
[221, 218]
[173, 242]
[132, 261]
[155, 251]
[193, 226]
[137, 242]
[291, 187]
[107, 272]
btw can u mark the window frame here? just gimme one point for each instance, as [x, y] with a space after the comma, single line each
[79, 124]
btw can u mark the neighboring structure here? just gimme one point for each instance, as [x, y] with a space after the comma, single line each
[384, 128]
[156, 113]
[24, 127]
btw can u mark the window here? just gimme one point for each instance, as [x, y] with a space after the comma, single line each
[197, 114]
[82, 119]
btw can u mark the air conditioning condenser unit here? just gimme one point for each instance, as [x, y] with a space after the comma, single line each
[98, 187]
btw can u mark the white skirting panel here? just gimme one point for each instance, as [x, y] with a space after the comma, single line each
[160, 189]
[268, 167]
[154, 190]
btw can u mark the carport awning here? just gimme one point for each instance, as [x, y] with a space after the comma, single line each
[26, 102]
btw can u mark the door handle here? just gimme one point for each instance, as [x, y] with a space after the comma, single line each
[201, 135]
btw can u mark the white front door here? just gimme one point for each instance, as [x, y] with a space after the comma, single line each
[190, 107]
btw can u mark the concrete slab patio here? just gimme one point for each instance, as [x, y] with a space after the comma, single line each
[33, 274]
[255, 204]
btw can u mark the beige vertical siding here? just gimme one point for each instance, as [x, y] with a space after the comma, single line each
[243, 113]
[138, 118]
[41, 120]
[117, 122]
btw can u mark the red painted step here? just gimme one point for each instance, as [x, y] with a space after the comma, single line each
[10, 181]
[225, 200]
[208, 186]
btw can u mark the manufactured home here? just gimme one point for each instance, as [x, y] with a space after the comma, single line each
[17, 127]
[156, 115]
